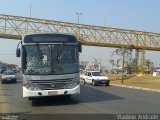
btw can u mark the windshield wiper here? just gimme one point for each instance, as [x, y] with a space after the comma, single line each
[59, 52]
[39, 51]
[61, 49]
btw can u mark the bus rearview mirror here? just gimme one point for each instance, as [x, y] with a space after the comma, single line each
[18, 52]
[79, 48]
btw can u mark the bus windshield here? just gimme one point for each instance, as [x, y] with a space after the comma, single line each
[50, 59]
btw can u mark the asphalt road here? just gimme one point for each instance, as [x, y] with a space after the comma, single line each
[92, 100]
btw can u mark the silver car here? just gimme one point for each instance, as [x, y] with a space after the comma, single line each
[9, 77]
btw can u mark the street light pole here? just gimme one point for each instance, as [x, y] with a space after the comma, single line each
[123, 59]
[30, 10]
[78, 14]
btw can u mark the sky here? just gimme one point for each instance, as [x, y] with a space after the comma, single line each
[126, 14]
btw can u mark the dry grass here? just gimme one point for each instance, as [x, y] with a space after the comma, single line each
[147, 81]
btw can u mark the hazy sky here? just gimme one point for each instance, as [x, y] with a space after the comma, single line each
[127, 14]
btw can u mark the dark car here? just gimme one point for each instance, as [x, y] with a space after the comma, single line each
[9, 77]
[2, 69]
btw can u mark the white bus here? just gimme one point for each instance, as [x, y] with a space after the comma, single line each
[49, 64]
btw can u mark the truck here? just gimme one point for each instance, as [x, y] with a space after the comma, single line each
[49, 64]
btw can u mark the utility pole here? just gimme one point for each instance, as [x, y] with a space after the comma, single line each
[105, 22]
[123, 59]
[30, 10]
[78, 14]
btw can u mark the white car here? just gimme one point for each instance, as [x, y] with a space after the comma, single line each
[9, 77]
[95, 78]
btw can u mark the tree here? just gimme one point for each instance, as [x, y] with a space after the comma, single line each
[126, 56]
[111, 61]
[10, 66]
[149, 64]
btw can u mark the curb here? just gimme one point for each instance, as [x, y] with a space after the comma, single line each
[138, 88]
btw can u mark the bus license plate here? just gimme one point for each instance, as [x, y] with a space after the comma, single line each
[52, 93]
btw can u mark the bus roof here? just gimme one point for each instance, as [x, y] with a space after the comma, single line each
[49, 38]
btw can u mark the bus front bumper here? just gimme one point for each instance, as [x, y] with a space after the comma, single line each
[39, 93]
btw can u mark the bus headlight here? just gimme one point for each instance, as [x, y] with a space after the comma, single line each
[32, 87]
[70, 85]
[73, 83]
[77, 79]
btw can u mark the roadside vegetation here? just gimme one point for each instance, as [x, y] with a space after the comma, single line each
[139, 76]
[7, 65]
[146, 81]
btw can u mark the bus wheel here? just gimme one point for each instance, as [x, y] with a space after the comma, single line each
[66, 96]
[30, 98]
[34, 103]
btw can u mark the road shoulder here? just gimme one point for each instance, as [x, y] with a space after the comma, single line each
[134, 87]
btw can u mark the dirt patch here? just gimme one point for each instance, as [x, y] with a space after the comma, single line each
[146, 81]
[3, 103]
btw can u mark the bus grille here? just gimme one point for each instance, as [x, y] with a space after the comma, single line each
[51, 84]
